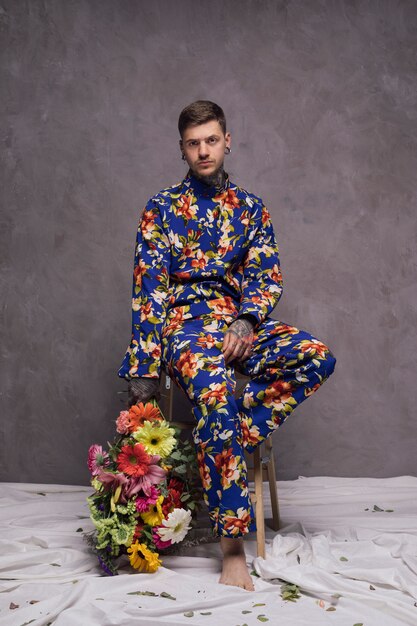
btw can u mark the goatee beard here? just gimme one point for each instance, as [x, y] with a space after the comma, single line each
[217, 179]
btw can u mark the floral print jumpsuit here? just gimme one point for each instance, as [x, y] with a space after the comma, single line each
[203, 257]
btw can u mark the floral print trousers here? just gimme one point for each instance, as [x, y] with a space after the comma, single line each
[286, 366]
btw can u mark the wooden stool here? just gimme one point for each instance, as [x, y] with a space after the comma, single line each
[263, 466]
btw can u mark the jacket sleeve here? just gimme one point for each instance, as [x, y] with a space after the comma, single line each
[262, 279]
[149, 296]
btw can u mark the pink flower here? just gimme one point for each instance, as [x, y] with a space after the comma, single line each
[111, 479]
[159, 543]
[97, 459]
[122, 422]
[144, 502]
[154, 475]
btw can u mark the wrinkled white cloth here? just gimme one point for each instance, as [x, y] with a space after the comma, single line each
[353, 563]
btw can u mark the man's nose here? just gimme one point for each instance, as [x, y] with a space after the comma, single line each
[203, 150]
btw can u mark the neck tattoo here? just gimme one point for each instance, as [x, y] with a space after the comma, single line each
[217, 179]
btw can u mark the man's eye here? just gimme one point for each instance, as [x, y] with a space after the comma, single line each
[212, 140]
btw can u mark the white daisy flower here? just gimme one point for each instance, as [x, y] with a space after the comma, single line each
[176, 526]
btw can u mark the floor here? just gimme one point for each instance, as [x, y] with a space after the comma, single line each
[349, 544]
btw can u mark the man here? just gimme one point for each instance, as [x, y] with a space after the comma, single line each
[206, 278]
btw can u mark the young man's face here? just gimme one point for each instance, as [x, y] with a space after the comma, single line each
[204, 146]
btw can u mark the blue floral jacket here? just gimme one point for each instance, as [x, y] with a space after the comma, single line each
[199, 249]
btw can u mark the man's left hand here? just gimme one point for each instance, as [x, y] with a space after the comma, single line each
[238, 340]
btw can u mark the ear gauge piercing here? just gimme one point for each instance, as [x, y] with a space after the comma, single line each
[228, 150]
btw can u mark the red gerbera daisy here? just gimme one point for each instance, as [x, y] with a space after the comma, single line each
[134, 460]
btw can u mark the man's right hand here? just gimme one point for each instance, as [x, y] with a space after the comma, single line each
[141, 389]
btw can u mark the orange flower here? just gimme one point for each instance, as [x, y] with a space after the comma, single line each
[284, 329]
[185, 207]
[139, 271]
[148, 223]
[200, 261]
[204, 471]
[228, 198]
[237, 525]
[133, 460]
[226, 465]
[175, 322]
[277, 393]
[265, 215]
[140, 413]
[187, 364]
[276, 274]
[250, 434]
[222, 305]
[216, 394]
[206, 341]
[314, 347]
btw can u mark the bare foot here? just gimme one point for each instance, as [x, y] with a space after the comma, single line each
[235, 571]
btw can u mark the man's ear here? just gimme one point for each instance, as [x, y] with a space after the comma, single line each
[228, 138]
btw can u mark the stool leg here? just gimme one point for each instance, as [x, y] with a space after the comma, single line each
[259, 503]
[272, 485]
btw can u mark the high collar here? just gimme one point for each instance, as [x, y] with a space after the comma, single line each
[202, 189]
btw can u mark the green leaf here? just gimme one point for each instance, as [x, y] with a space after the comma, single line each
[189, 614]
[142, 593]
[389, 510]
[376, 508]
[343, 558]
[165, 594]
[55, 564]
[331, 608]
[245, 612]
[358, 624]
[253, 573]
[259, 604]
[206, 613]
[262, 618]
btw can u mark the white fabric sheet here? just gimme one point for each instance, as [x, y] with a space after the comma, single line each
[361, 564]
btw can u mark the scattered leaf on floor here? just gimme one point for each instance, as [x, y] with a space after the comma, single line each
[259, 604]
[40, 493]
[55, 564]
[253, 573]
[206, 613]
[142, 593]
[389, 510]
[262, 618]
[79, 530]
[12, 606]
[358, 624]
[371, 588]
[343, 558]
[377, 508]
[33, 601]
[165, 594]
[331, 608]
[290, 592]
[246, 612]
[189, 614]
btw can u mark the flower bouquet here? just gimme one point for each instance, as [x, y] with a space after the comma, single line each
[145, 490]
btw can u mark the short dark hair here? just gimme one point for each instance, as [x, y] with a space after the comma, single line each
[200, 112]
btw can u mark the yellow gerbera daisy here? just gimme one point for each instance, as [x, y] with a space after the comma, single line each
[154, 515]
[143, 559]
[156, 437]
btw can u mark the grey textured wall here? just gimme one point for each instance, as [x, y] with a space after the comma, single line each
[321, 101]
